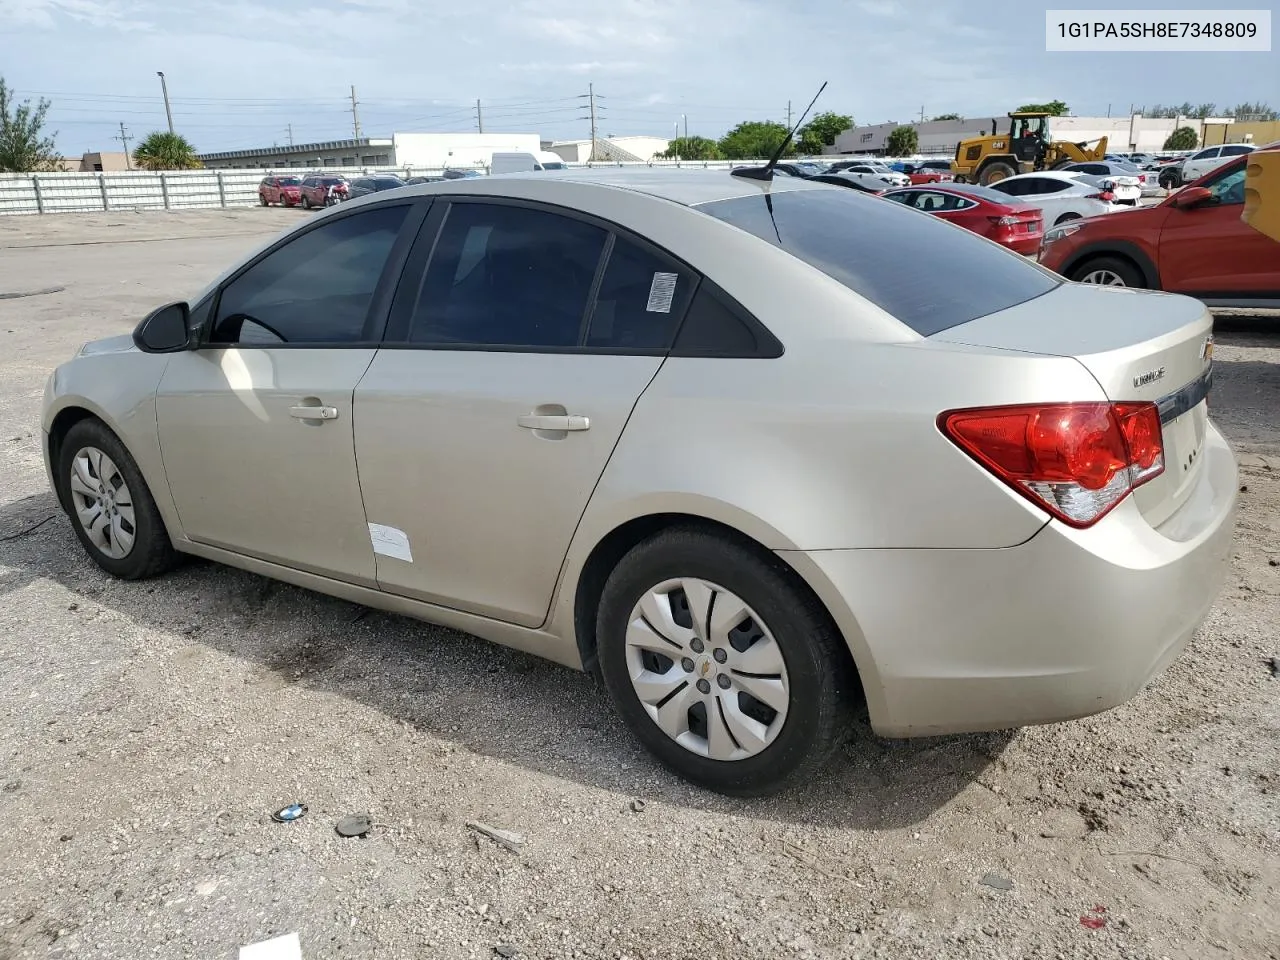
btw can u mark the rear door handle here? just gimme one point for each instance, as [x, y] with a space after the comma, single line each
[535, 421]
[314, 413]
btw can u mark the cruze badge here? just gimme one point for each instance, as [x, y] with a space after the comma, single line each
[1151, 376]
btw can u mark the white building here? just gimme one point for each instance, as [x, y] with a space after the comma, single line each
[626, 149]
[432, 151]
[940, 137]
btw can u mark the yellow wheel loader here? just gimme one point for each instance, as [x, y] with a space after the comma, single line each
[1028, 146]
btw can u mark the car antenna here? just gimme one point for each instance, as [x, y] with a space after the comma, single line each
[766, 172]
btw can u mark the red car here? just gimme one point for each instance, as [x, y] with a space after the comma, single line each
[930, 171]
[286, 191]
[315, 189]
[988, 213]
[1193, 243]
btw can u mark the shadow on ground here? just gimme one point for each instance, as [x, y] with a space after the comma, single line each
[492, 700]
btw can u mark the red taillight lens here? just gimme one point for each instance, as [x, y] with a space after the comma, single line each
[1076, 460]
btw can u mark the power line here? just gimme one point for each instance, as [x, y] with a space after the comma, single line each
[124, 139]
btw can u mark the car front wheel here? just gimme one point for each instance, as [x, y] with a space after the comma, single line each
[721, 664]
[1109, 272]
[111, 509]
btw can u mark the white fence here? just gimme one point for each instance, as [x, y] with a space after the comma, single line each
[190, 189]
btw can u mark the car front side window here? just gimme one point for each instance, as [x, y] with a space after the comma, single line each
[317, 288]
[1228, 188]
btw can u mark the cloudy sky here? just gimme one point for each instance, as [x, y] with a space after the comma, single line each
[241, 71]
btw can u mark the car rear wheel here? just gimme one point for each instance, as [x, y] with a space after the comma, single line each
[111, 509]
[726, 670]
[306, 202]
[1108, 272]
[1170, 179]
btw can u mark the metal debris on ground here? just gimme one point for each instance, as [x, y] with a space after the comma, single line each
[638, 805]
[512, 841]
[996, 882]
[294, 811]
[354, 825]
[505, 950]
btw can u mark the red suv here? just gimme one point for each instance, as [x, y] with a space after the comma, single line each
[1193, 243]
[286, 191]
[315, 189]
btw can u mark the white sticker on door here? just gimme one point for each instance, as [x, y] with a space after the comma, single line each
[661, 292]
[390, 542]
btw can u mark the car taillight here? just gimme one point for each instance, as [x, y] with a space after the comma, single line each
[1106, 195]
[1076, 460]
[1005, 221]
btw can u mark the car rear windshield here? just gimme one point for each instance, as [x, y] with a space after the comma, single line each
[929, 274]
[289, 181]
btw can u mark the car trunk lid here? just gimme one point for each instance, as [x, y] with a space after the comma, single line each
[1138, 346]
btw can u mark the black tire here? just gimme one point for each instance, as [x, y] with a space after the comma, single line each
[821, 682]
[306, 202]
[1170, 179]
[1058, 165]
[996, 171]
[263, 198]
[1066, 218]
[152, 552]
[1129, 274]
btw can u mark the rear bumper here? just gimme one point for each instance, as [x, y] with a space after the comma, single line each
[1070, 623]
[1027, 246]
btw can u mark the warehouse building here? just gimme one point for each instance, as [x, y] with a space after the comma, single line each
[400, 150]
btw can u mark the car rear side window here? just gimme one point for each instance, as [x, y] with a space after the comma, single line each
[929, 274]
[315, 289]
[642, 297]
[505, 275]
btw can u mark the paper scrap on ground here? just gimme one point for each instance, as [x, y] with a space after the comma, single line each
[390, 542]
[278, 948]
[661, 292]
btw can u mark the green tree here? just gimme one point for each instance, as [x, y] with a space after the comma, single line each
[166, 151]
[22, 146]
[822, 131]
[1184, 138]
[902, 142]
[1055, 108]
[692, 148]
[1252, 111]
[946, 116]
[754, 139]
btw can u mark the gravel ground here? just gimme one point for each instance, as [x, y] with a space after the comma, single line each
[149, 729]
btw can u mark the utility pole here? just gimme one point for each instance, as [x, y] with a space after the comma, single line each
[355, 112]
[289, 130]
[922, 113]
[685, 118]
[788, 114]
[479, 117]
[591, 97]
[164, 89]
[124, 139]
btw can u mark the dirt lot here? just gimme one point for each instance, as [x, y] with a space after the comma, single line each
[149, 729]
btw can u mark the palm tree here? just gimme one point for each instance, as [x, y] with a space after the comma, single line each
[166, 151]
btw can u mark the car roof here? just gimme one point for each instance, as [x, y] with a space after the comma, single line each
[688, 187]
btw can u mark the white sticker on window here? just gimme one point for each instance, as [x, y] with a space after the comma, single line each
[661, 292]
[390, 542]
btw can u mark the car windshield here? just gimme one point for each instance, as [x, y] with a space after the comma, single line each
[331, 181]
[554, 165]
[289, 181]
[873, 249]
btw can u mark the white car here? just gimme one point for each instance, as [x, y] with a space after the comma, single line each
[1061, 196]
[882, 170]
[1210, 158]
[1128, 184]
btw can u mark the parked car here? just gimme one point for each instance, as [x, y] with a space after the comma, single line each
[856, 181]
[412, 181]
[1130, 182]
[744, 542]
[800, 168]
[1193, 243]
[363, 186]
[1061, 196]
[1198, 164]
[316, 189]
[986, 212]
[881, 170]
[286, 191]
[928, 172]
[463, 174]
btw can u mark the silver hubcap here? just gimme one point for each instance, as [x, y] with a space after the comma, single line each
[707, 670]
[1107, 278]
[103, 503]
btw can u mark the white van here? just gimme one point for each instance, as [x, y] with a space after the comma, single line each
[525, 162]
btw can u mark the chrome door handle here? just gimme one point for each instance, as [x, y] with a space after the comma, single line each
[314, 413]
[534, 421]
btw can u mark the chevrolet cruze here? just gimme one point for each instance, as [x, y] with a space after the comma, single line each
[715, 437]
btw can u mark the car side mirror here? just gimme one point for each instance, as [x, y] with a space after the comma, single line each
[1189, 197]
[165, 330]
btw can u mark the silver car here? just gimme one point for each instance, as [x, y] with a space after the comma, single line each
[720, 440]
